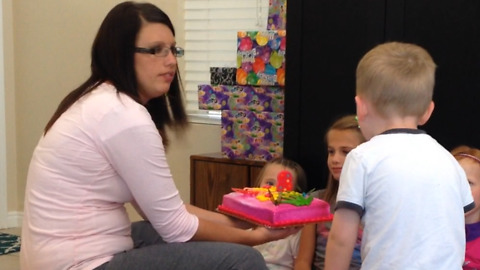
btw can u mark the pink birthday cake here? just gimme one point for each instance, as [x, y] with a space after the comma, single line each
[266, 206]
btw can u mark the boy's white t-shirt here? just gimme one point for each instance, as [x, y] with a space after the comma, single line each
[413, 195]
[104, 151]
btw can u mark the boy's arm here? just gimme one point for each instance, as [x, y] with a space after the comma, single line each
[341, 239]
[306, 248]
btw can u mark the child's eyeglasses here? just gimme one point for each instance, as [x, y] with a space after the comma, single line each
[162, 51]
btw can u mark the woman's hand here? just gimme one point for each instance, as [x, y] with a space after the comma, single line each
[209, 230]
[218, 217]
[271, 234]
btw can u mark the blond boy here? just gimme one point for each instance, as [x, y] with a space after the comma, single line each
[409, 193]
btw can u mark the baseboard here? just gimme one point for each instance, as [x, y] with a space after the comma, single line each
[14, 219]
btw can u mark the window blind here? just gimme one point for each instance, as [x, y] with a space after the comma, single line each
[211, 28]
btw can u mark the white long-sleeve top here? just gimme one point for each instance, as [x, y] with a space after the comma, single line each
[102, 152]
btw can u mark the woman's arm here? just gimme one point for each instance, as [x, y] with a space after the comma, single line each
[217, 217]
[306, 249]
[143, 167]
[213, 231]
[218, 227]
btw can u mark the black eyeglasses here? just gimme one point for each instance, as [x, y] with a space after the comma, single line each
[161, 51]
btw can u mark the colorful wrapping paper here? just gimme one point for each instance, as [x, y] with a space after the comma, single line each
[252, 135]
[261, 57]
[277, 15]
[238, 97]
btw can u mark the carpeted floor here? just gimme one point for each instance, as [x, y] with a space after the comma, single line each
[9, 243]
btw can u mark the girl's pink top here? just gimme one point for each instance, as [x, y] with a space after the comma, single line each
[472, 252]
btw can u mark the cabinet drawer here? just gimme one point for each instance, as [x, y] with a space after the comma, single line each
[212, 176]
[254, 173]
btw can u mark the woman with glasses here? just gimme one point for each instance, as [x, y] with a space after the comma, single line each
[105, 146]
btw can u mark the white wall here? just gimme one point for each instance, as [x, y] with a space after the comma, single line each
[3, 134]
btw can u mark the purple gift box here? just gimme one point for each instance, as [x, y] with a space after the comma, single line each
[253, 136]
[223, 75]
[241, 98]
[277, 15]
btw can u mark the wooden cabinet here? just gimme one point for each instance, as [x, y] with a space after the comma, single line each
[212, 176]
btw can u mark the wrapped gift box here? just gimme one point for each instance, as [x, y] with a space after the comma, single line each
[251, 135]
[223, 75]
[241, 97]
[277, 15]
[261, 57]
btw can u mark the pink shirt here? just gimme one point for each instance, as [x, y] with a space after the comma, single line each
[472, 251]
[102, 152]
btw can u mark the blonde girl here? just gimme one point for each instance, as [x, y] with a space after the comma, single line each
[342, 136]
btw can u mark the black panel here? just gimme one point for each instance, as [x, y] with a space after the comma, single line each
[450, 31]
[327, 38]
[293, 81]
[320, 82]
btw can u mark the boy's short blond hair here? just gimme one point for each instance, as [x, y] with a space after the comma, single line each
[397, 78]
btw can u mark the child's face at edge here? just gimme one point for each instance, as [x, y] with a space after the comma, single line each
[340, 143]
[472, 170]
[271, 172]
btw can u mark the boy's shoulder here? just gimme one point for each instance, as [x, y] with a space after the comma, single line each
[388, 139]
[397, 143]
[400, 136]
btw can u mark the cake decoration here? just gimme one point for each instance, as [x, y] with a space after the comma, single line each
[271, 193]
[284, 181]
[273, 208]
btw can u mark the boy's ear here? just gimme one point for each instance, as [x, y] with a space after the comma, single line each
[422, 120]
[361, 107]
